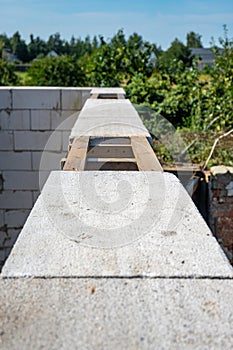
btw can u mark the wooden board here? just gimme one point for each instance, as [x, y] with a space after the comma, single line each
[77, 156]
[144, 155]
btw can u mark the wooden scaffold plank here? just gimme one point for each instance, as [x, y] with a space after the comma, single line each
[77, 155]
[144, 154]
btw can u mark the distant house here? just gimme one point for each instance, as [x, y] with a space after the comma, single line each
[8, 56]
[205, 56]
[52, 54]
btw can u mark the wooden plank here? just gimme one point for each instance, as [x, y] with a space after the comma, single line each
[110, 151]
[144, 154]
[115, 141]
[77, 156]
[94, 96]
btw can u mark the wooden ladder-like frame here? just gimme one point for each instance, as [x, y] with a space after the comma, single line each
[113, 153]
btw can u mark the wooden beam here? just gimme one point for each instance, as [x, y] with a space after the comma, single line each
[144, 154]
[94, 96]
[77, 156]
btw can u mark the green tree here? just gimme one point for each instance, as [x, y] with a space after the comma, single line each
[175, 53]
[56, 71]
[19, 47]
[36, 47]
[193, 40]
[7, 74]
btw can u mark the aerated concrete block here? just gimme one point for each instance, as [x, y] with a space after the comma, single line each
[15, 120]
[146, 314]
[5, 98]
[37, 140]
[6, 140]
[15, 160]
[125, 224]
[36, 98]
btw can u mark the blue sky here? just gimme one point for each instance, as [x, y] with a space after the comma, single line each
[157, 21]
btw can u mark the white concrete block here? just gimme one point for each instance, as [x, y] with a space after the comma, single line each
[20, 180]
[35, 196]
[12, 235]
[4, 253]
[2, 221]
[86, 93]
[15, 160]
[5, 98]
[36, 98]
[16, 200]
[107, 90]
[125, 224]
[40, 120]
[16, 218]
[3, 237]
[65, 140]
[15, 120]
[63, 120]
[116, 314]
[6, 140]
[37, 140]
[47, 160]
[71, 99]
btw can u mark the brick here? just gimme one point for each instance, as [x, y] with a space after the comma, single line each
[63, 120]
[71, 99]
[15, 120]
[47, 160]
[16, 218]
[21, 180]
[5, 98]
[37, 140]
[16, 200]
[40, 120]
[36, 98]
[15, 160]
[6, 140]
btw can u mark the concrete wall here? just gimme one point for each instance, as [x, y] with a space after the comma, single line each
[28, 120]
[221, 207]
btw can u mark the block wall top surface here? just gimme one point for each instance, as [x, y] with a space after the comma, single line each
[115, 224]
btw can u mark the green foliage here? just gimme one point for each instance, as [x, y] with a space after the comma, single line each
[55, 71]
[176, 52]
[19, 47]
[193, 40]
[117, 61]
[7, 74]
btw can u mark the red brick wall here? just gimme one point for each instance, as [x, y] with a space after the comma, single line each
[221, 207]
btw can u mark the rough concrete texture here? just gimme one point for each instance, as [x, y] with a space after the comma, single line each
[108, 118]
[115, 224]
[116, 314]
